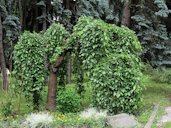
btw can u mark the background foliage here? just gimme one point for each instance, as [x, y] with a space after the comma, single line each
[68, 100]
[153, 35]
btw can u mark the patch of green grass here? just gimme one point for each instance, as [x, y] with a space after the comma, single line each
[19, 102]
[87, 98]
[153, 94]
[167, 125]
[20, 105]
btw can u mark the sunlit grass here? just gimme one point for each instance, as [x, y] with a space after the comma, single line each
[19, 102]
[153, 94]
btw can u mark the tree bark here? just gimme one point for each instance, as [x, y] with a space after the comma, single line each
[2, 61]
[52, 87]
[44, 27]
[126, 16]
[20, 12]
[44, 21]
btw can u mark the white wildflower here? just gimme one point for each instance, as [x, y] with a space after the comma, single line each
[93, 113]
[41, 119]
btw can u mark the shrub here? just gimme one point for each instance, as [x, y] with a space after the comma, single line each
[87, 98]
[68, 100]
[117, 86]
[29, 68]
[7, 108]
[110, 56]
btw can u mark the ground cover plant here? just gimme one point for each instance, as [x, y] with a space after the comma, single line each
[154, 93]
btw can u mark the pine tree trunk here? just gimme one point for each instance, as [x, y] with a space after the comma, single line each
[2, 61]
[44, 21]
[126, 16]
[20, 12]
[44, 27]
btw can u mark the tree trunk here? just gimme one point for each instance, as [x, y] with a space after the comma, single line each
[44, 21]
[2, 60]
[44, 27]
[126, 16]
[35, 15]
[52, 87]
[20, 12]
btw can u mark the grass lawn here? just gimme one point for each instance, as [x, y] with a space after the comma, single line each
[153, 94]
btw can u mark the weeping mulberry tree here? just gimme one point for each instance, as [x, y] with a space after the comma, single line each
[29, 60]
[29, 66]
[56, 49]
[110, 57]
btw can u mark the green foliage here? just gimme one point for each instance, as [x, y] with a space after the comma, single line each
[73, 120]
[3, 9]
[12, 29]
[167, 124]
[153, 35]
[68, 100]
[94, 123]
[98, 40]
[7, 108]
[87, 97]
[110, 57]
[163, 9]
[12, 26]
[10, 124]
[108, 10]
[63, 15]
[154, 93]
[161, 76]
[29, 58]
[65, 120]
[117, 86]
[29, 64]
[55, 41]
